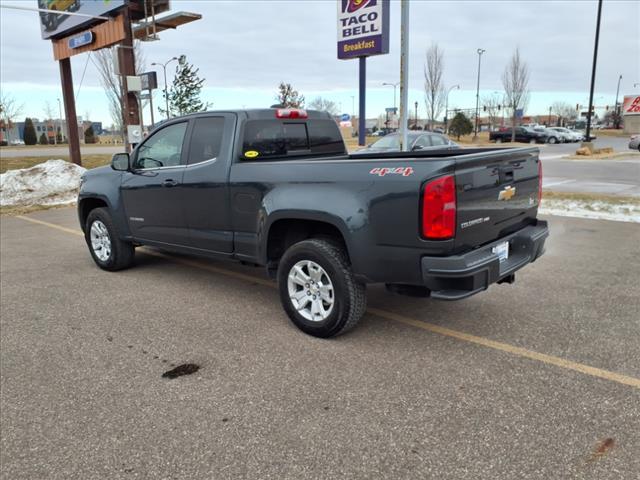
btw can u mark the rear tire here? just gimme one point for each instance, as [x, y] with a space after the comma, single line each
[318, 290]
[533, 140]
[107, 250]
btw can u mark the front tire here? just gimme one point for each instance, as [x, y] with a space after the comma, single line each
[498, 140]
[318, 290]
[553, 140]
[107, 250]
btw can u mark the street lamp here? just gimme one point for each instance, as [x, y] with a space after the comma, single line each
[446, 108]
[415, 126]
[616, 121]
[480, 52]
[164, 71]
[353, 105]
[394, 85]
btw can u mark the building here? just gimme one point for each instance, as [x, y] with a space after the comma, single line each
[50, 128]
[631, 113]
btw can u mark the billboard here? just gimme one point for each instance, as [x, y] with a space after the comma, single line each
[58, 24]
[363, 28]
[631, 105]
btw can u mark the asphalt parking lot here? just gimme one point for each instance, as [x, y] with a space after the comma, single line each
[540, 379]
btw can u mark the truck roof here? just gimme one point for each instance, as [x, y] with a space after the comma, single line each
[261, 114]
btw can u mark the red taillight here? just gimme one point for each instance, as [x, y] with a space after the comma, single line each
[439, 208]
[539, 182]
[291, 113]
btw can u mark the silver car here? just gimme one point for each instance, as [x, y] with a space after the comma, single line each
[418, 140]
[634, 142]
[566, 135]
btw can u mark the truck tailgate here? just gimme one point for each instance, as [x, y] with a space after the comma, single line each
[497, 194]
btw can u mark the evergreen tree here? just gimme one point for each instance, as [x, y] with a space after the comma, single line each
[460, 125]
[184, 94]
[29, 136]
[287, 97]
[89, 136]
[43, 139]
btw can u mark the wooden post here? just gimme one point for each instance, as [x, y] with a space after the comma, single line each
[126, 58]
[70, 111]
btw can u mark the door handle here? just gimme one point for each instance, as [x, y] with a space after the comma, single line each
[169, 183]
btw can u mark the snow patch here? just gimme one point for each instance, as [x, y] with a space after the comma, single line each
[53, 182]
[621, 212]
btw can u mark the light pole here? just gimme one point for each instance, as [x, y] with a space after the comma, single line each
[353, 105]
[164, 71]
[394, 85]
[446, 108]
[616, 121]
[415, 125]
[480, 52]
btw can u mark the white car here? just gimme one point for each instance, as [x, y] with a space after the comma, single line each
[16, 142]
[567, 135]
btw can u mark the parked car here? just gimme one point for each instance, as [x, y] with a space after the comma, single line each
[277, 188]
[418, 140]
[565, 135]
[634, 142]
[16, 142]
[551, 135]
[523, 134]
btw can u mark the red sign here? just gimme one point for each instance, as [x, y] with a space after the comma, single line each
[631, 105]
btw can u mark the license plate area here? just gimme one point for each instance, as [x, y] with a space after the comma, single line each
[502, 251]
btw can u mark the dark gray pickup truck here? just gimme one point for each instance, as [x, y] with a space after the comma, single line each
[276, 187]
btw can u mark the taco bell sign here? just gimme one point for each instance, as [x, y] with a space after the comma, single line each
[363, 28]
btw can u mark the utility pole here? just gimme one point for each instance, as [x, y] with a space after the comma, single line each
[404, 73]
[549, 116]
[480, 52]
[593, 72]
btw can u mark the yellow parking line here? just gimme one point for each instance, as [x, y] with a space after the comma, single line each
[73, 231]
[430, 327]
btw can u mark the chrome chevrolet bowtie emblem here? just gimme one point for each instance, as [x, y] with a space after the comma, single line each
[507, 193]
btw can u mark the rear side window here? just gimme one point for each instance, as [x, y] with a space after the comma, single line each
[275, 138]
[206, 139]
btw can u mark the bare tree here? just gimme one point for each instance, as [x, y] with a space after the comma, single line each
[48, 110]
[112, 83]
[325, 105]
[10, 109]
[565, 111]
[288, 97]
[492, 104]
[515, 81]
[434, 94]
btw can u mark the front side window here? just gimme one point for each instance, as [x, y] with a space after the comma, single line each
[438, 141]
[163, 148]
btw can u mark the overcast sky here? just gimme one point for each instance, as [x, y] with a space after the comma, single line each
[245, 48]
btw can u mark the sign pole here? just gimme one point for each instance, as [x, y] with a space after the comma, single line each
[70, 110]
[153, 123]
[362, 101]
[404, 73]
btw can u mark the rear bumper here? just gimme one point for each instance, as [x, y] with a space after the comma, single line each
[460, 276]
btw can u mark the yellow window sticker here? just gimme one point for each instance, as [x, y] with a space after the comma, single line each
[251, 154]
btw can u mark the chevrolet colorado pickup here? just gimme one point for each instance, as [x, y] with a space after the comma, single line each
[277, 188]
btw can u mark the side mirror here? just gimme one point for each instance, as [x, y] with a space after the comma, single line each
[416, 147]
[120, 162]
